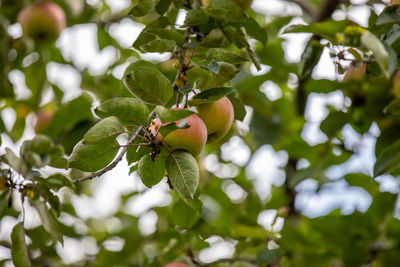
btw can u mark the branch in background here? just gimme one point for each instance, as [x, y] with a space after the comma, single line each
[326, 10]
[305, 6]
[118, 158]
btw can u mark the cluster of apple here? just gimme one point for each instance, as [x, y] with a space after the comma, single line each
[212, 122]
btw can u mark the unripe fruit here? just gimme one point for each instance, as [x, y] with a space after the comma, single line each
[192, 139]
[176, 264]
[244, 4]
[42, 21]
[217, 116]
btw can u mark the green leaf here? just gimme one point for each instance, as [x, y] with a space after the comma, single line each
[221, 55]
[391, 14]
[310, 58]
[104, 130]
[183, 172]
[130, 111]
[167, 34]
[151, 172]
[212, 66]
[19, 251]
[226, 11]
[162, 6]
[334, 122]
[159, 45]
[149, 85]
[145, 37]
[327, 29]
[40, 151]
[238, 107]
[70, 114]
[215, 38]
[371, 42]
[321, 86]
[57, 159]
[135, 153]
[226, 73]
[141, 8]
[210, 95]
[392, 65]
[389, 160]
[393, 107]
[241, 37]
[196, 16]
[183, 215]
[58, 180]
[93, 157]
[364, 181]
[50, 224]
[265, 130]
[35, 78]
[254, 30]
[169, 115]
[49, 197]
[185, 89]
[301, 175]
[15, 162]
[268, 255]
[169, 128]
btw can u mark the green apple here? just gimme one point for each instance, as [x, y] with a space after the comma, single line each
[192, 139]
[42, 21]
[217, 116]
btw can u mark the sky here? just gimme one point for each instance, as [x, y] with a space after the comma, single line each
[79, 45]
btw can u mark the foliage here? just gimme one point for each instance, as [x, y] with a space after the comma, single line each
[212, 55]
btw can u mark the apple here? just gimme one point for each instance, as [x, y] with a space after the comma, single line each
[43, 119]
[43, 21]
[355, 72]
[244, 4]
[3, 183]
[176, 264]
[217, 116]
[192, 139]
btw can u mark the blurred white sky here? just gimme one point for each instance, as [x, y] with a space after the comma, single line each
[79, 44]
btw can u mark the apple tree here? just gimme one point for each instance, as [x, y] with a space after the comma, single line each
[204, 88]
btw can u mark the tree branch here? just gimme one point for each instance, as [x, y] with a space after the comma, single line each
[305, 6]
[117, 159]
[326, 10]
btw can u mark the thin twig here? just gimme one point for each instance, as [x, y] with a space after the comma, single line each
[117, 159]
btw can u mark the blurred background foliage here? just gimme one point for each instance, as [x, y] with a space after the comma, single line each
[228, 203]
